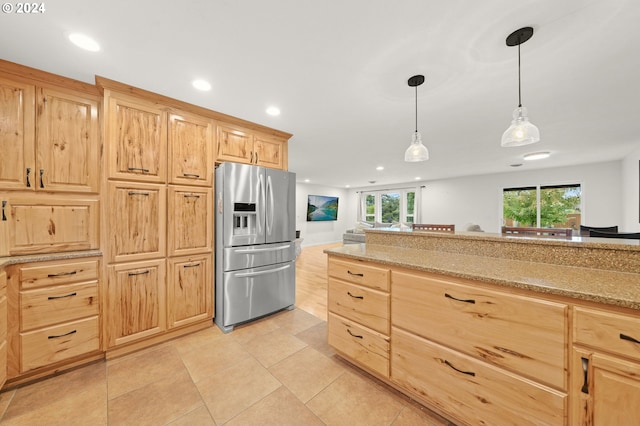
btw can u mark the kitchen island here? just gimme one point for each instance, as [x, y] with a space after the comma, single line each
[487, 328]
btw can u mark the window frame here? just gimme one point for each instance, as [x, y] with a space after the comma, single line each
[403, 207]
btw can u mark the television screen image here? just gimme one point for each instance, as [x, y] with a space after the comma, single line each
[321, 208]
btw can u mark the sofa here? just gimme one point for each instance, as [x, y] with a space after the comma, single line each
[352, 237]
[356, 235]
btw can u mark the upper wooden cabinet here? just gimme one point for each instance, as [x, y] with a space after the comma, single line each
[136, 138]
[191, 146]
[49, 140]
[242, 146]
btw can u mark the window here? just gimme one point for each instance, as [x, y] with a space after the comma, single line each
[389, 206]
[552, 206]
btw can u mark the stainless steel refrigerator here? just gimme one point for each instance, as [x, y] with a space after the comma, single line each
[255, 243]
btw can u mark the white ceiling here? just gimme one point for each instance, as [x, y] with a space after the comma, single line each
[338, 70]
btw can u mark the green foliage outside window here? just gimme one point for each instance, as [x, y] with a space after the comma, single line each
[556, 204]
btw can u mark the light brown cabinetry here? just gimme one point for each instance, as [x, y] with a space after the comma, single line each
[136, 301]
[49, 139]
[136, 135]
[189, 290]
[137, 221]
[358, 303]
[58, 307]
[606, 368]
[243, 146]
[47, 223]
[190, 224]
[191, 146]
[3, 327]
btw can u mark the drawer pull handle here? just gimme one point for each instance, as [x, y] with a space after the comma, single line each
[4, 205]
[131, 274]
[191, 196]
[190, 175]
[354, 274]
[468, 373]
[42, 178]
[62, 297]
[629, 338]
[138, 169]
[62, 335]
[28, 173]
[62, 274]
[355, 297]
[192, 265]
[447, 295]
[585, 373]
[146, 194]
[354, 335]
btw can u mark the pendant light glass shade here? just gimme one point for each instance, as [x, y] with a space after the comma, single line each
[522, 131]
[416, 151]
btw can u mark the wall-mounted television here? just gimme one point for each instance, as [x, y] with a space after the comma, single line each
[321, 208]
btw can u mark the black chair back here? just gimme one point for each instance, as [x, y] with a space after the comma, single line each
[584, 230]
[628, 235]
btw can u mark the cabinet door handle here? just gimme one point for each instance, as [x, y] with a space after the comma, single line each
[629, 338]
[190, 175]
[585, 374]
[354, 274]
[251, 159]
[191, 196]
[354, 335]
[28, 178]
[4, 205]
[138, 169]
[62, 335]
[62, 274]
[468, 373]
[192, 265]
[42, 178]
[447, 295]
[355, 297]
[62, 297]
[146, 194]
[131, 274]
[256, 158]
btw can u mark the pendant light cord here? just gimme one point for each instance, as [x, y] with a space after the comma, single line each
[416, 109]
[519, 90]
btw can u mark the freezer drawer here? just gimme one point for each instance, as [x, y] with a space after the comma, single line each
[236, 258]
[252, 293]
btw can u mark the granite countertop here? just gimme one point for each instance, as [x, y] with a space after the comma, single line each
[44, 257]
[596, 285]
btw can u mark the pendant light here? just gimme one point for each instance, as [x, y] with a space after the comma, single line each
[416, 151]
[522, 131]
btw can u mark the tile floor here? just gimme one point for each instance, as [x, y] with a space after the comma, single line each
[275, 371]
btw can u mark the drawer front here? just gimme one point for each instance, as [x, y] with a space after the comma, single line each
[522, 334]
[361, 304]
[611, 332]
[360, 273]
[52, 305]
[472, 390]
[46, 346]
[58, 273]
[362, 345]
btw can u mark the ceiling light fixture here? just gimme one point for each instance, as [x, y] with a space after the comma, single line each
[273, 111]
[379, 168]
[84, 42]
[536, 155]
[416, 151]
[203, 85]
[522, 131]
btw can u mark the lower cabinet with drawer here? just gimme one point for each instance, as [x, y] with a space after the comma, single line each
[359, 314]
[57, 304]
[605, 385]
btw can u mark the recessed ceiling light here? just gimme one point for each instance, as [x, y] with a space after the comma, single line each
[273, 110]
[307, 180]
[347, 186]
[379, 168]
[418, 178]
[203, 85]
[84, 42]
[536, 155]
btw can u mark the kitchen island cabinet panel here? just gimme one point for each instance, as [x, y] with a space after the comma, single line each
[362, 273]
[364, 305]
[523, 334]
[470, 390]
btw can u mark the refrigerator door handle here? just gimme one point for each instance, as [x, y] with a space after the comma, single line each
[268, 271]
[269, 206]
[262, 250]
[261, 207]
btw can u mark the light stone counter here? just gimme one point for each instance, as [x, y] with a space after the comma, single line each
[585, 269]
[44, 257]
